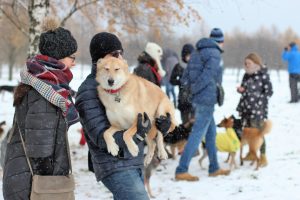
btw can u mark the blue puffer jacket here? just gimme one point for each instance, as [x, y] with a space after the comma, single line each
[293, 59]
[94, 121]
[204, 72]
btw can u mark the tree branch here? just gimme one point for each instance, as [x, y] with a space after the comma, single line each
[14, 23]
[74, 9]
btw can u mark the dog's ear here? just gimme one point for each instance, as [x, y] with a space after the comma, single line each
[99, 61]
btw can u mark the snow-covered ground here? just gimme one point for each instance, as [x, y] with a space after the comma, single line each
[279, 180]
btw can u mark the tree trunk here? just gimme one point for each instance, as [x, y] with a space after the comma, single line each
[11, 63]
[37, 10]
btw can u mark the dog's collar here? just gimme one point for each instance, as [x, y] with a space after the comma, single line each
[113, 91]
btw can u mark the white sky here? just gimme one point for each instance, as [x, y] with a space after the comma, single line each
[249, 15]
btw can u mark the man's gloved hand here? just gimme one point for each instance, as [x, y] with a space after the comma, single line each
[286, 48]
[143, 127]
[163, 124]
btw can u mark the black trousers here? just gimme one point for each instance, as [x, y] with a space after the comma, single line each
[294, 80]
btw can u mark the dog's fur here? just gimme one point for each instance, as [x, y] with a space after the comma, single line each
[227, 123]
[134, 95]
[254, 138]
[178, 142]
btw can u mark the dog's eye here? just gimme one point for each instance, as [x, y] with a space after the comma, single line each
[106, 69]
[117, 69]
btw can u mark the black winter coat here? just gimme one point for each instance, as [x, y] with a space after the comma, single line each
[94, 121]
[44, 130]
[253, 104]
[144, 69]
[184, 96]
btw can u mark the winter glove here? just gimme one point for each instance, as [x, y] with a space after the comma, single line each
[163, 124]
[286, 48]
[143, 127]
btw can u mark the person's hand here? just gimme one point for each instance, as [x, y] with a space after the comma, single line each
[143, 126]
[163, 123]
[240, 89]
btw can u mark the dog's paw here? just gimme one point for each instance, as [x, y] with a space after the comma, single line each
[162, 154]
[147, 160]
[133, 149]
[113, 148]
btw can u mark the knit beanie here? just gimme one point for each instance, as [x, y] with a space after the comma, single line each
[55, 41]
[217, 35]
[156, 52]
[102, 44]
[187, 49]
[254, 57]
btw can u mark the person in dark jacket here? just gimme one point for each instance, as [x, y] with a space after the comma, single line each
[149, 66]
[43, 113]
[122, 174]
[256, 89]
[202, 75]
[184, 97]
[291, 54]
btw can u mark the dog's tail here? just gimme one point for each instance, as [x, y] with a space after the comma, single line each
[267, 127]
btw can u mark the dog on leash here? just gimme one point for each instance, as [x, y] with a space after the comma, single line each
[254, 137]
[226, 142]
[124, 95]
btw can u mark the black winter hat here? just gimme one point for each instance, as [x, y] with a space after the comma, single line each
[102, 44]
[55, 41]
[186, 50]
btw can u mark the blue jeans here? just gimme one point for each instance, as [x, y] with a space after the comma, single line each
[127, 185]
[204, 125]
[170, 90]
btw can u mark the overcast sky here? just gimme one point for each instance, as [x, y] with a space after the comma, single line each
[249, 15]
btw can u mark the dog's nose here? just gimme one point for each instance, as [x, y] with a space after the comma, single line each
[110, 82]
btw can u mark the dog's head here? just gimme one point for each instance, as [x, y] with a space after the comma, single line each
[112, 73]
[226, 122]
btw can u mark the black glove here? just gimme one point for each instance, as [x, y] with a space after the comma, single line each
[163, 124]
[143, 127]
[286, 49]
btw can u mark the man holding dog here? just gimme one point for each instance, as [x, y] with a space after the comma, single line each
[121, 174]
[201, 75]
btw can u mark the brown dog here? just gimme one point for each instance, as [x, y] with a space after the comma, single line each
[124, 95]
[225, 142]
[254, 138]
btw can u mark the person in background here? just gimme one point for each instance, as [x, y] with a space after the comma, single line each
[149, 66]
[184, 97]
[44, 111]
[122, 174]
[256, 89]
[202, 75]
[291, 54]
[169, 61]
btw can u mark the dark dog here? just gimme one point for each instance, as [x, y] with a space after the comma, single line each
[148, 172]
[7, 88]
[178, 138]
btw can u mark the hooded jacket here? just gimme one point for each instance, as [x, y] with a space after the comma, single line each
[203, 72]
[293, 59]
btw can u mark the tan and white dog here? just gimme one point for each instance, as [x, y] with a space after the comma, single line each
[124, 95]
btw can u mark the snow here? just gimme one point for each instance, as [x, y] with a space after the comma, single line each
[279, 180]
